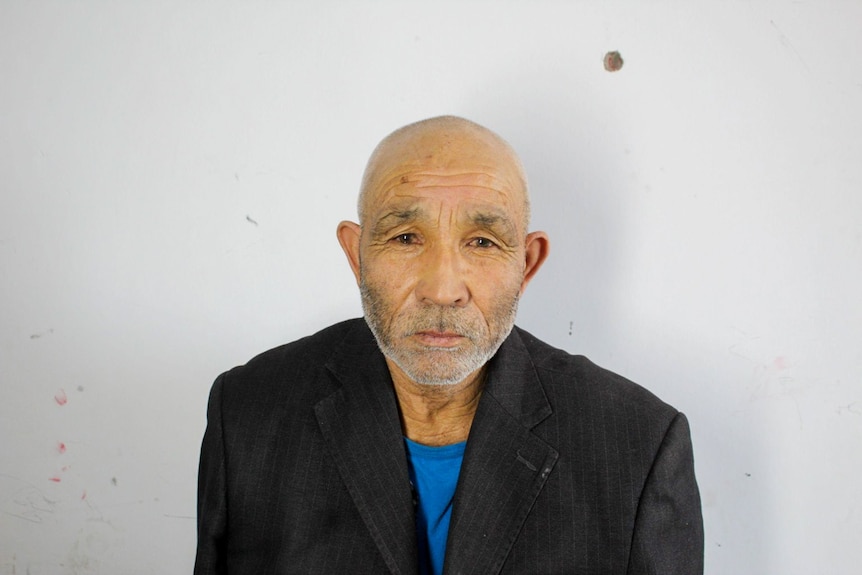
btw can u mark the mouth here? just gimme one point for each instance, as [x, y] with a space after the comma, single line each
[432, 338]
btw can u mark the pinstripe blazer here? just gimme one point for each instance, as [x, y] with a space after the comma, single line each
[568, 469]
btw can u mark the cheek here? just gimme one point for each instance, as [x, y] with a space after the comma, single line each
[496, 288]
[390, 282]
[496, 275]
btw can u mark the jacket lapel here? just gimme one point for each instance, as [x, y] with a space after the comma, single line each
[505, 465]
[360, 424]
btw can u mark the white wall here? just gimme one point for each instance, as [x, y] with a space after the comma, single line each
[171, 175]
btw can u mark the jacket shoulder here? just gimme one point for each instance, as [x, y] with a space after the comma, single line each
[565, 375]
[314, 348]
[285, 368]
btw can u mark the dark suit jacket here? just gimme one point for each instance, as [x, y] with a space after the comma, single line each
[568, 469]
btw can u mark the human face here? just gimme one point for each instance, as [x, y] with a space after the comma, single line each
[442, 266]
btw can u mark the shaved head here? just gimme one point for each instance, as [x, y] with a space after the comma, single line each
[443, 143]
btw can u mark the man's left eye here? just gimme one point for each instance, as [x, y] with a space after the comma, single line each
[483, 243]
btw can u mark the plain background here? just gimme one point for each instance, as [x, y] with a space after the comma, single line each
[172, 173]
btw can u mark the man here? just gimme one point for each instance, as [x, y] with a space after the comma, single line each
[434, 436]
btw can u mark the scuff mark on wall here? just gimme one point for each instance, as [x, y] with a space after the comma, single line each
[851, 408]
[787, 44]
[26, 501]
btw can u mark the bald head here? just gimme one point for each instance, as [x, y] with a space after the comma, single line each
[443, 145]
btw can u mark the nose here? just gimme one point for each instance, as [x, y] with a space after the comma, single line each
[441, 280]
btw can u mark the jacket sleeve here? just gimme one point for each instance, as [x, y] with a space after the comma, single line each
[668, 534]
[212, 505]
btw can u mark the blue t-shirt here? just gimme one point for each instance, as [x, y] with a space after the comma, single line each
[434, 475]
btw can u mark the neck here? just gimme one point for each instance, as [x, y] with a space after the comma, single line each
[437, 414]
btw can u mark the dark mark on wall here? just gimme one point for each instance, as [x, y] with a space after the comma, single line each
[114, 481]
[571, 326]
[249, 220]
[80, 388]
[613, 61]
[42, 334]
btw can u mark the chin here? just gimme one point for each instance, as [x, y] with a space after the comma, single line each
[438, 367]
[437, 380]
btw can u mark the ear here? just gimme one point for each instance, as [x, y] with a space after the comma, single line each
[536, 250]
[348, 236]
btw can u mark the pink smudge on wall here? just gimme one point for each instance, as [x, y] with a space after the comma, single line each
[60, 397]
[55, 479]
[61, 448]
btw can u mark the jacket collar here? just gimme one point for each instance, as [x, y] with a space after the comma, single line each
[361, 425]
[505, 465]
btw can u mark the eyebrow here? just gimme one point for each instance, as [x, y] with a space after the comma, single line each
[497, 222]
[395, 218]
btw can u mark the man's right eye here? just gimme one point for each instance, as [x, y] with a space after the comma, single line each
[405, 239]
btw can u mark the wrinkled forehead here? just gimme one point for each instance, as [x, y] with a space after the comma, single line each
[456, 164]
